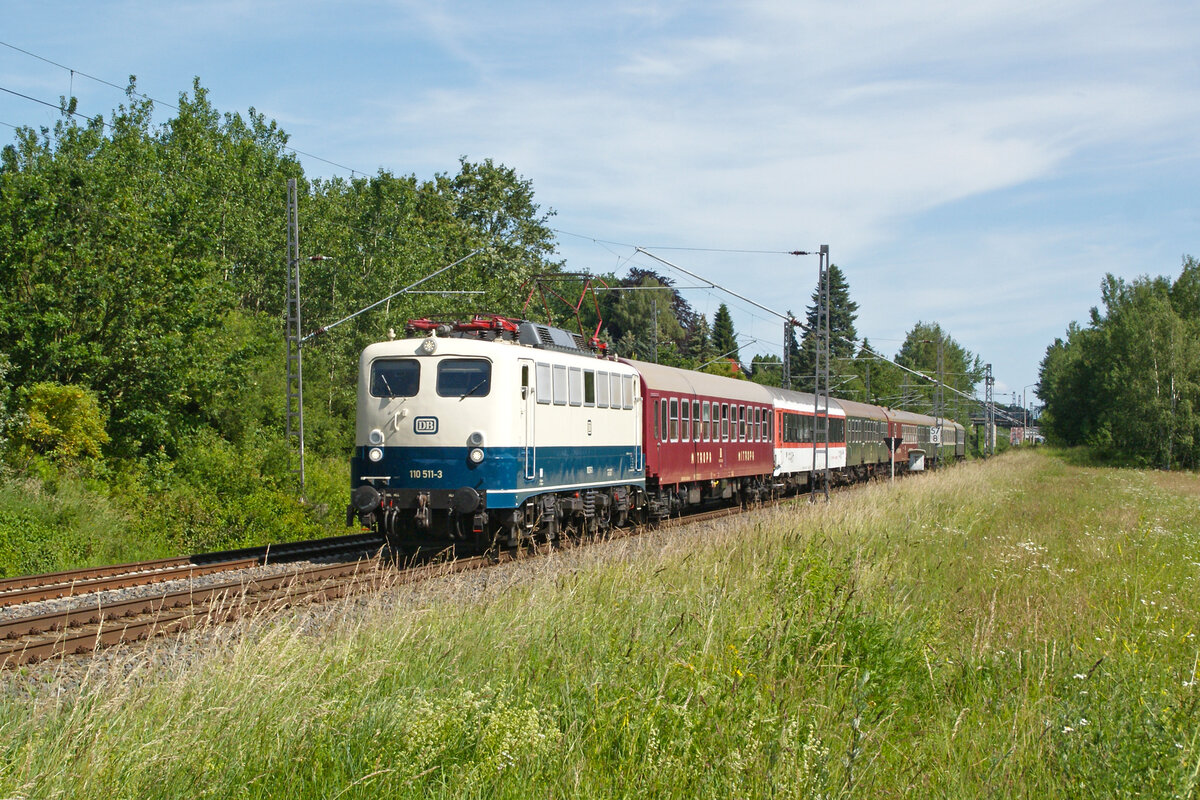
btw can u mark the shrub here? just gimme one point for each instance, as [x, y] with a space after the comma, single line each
[61, 422]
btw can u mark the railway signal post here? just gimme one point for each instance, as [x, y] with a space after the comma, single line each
[892, 443]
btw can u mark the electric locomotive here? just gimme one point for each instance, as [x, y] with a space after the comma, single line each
[491, 430]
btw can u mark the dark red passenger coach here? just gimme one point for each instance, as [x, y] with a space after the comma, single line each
[706, 436]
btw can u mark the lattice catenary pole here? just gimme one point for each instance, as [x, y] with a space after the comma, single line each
[295, 373]
[822, 387]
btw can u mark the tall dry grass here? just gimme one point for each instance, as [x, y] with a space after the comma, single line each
[1015, 628]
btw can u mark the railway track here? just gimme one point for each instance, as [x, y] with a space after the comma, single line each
[97, 621]
[54, 585]
[90, 617]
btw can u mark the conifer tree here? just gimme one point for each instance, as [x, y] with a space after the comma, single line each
[842, 334]
[724, 338]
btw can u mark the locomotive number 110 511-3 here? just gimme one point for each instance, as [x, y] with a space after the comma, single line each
[425, 473]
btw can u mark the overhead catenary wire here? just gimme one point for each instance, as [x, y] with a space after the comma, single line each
[790, 318]
[728, 291]
[353, 171]
[747, 251]
[793, 320]
[326, 328]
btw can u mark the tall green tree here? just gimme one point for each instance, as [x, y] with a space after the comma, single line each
[724, 337]
[962, 370]
[767, 369]
[842, 334]
[123, 248]
[641, 321]
[144, 261]
[1129, 383]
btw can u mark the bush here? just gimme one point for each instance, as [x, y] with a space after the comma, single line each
[61, 422]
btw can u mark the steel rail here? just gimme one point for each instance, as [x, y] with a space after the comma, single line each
[70, 583]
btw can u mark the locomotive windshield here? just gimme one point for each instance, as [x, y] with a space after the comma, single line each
[464, 377]
[395, 377]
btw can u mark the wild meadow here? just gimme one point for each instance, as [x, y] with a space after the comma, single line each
[1021, 627]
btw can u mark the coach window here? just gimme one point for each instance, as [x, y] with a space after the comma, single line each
[742, 423]
[395, 377]
[602, 389]
[575, 386]
[628, 391]
[674, 429]
[685, 421]
[663, 419]
[543, 383]
[695, 420]
[464, 377]
[656, 428]
[589, 388]
[614, 386]
[560, 385]
[705, 410]
[724, 422]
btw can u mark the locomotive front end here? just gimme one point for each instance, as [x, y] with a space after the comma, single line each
[430, 437]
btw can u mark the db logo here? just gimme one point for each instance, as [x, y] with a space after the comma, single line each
[425, 425]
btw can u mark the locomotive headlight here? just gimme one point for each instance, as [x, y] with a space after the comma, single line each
[429, 346]
[375, 454]
[475, 439]
[375, 436]
[476, 455]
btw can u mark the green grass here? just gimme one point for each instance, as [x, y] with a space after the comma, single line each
[1019, 627]
[214, 497]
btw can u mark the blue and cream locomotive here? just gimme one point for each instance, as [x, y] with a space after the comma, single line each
[492, 429]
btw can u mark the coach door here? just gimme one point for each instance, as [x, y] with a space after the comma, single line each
[525, 429]
[639, 456]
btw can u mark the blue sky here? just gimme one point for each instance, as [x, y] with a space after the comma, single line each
[981, 165]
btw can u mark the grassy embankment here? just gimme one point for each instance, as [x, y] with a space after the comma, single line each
[1014, 628]
[213, 497]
